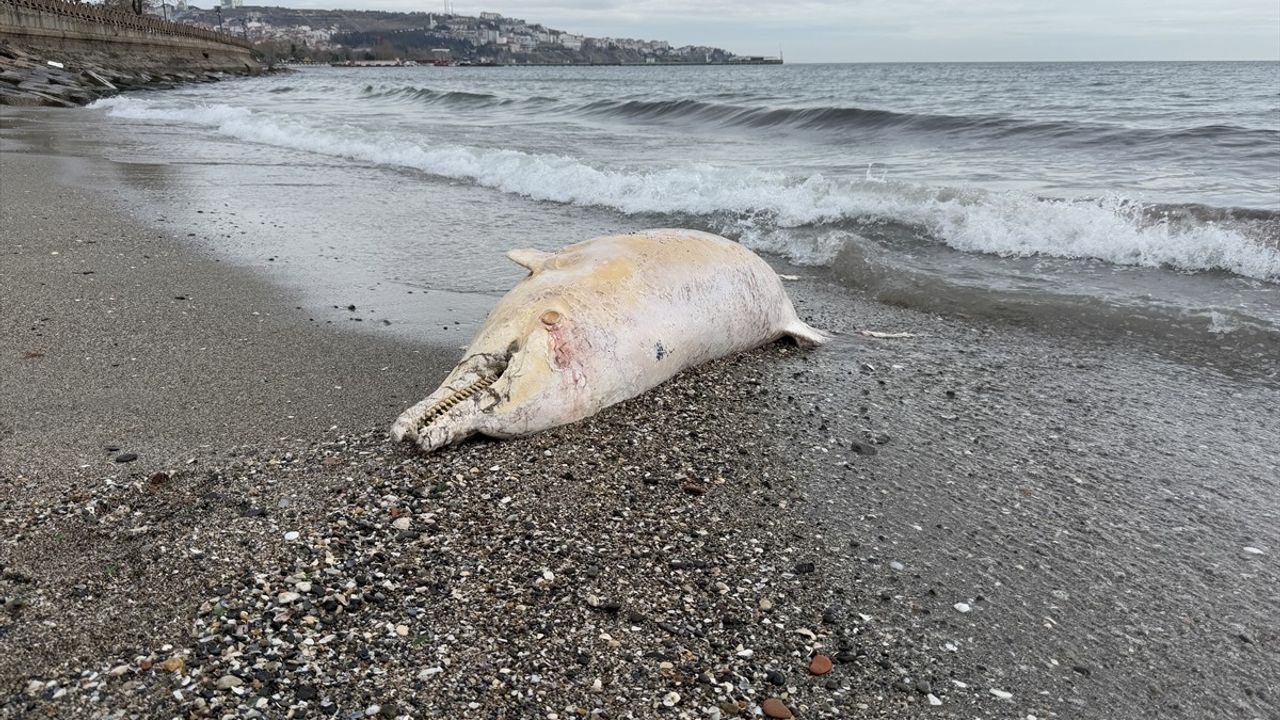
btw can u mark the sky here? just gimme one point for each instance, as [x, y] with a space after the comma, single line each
[904, 30]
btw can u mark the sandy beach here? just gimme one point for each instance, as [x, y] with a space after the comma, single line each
[202, 514]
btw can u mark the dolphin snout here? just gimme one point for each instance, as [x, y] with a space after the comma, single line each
[452, 412]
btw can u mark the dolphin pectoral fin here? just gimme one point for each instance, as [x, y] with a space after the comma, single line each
[529, 258]
[804, 335]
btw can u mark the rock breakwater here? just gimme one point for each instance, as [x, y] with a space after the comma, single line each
[29, 78]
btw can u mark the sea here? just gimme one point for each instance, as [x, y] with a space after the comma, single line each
[1134, 201]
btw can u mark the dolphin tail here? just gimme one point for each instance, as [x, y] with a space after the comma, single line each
[804, 335]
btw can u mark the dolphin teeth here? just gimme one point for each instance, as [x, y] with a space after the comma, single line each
[458, 396]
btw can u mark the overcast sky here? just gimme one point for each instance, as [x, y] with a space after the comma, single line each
[905, 30]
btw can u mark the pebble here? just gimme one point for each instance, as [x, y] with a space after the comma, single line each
[126, 457]
[1250, 550]
[962, 607]
[671, 699]
[934, 700]
[766, 604]
[1001, 694]
[776, 678]
[291, 535]
[401, 523]
[173, 664]
[820, 665]
[402, 630]
[775, 708]
[226, 682]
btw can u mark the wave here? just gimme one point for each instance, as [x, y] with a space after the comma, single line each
[775, 212]
[844, 120]
[449, 98]
[434, 97]
[847, 119]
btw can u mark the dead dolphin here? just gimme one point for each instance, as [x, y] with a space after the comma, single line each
[599, 322]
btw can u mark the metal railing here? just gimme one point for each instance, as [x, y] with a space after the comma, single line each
[118, 19]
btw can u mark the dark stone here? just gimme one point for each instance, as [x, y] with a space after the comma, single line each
[804, 568]
[903, 685]
[776, 678]
[863, 448]
[126, 457]
[832, 616]
[1084, 670]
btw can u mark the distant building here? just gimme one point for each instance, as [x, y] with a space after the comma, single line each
[490, 16]
[228, 4]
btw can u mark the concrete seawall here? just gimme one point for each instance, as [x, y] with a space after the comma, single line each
[121, 41]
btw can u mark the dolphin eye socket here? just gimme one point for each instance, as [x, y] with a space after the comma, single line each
[550, 317]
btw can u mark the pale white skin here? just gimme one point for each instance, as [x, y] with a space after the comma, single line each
[600, 322]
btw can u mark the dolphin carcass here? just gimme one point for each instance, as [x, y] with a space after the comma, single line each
[599, 322]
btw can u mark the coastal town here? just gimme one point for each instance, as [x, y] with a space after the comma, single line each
[357, 37]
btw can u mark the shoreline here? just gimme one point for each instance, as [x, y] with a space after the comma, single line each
[675, 544]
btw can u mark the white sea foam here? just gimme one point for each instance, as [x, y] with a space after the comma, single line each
[765, 208]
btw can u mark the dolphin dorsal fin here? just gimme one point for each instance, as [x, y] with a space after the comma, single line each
[530, 258]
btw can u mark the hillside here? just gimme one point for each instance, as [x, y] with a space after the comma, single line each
[340, 35]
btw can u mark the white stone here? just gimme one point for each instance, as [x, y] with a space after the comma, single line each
[402, 630]
[962, 607]
[1001, 694]
[425, 673]
[401, 523]
[303, 587]
[934, 700]
[1249, 549]
[291, 535]
[671, 699]
[287, 597]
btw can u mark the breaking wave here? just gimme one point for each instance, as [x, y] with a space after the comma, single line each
[840, 120]
[803, 218]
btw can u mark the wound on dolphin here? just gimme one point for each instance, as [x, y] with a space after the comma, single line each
[599, 322]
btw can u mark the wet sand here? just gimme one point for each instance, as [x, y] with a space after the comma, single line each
[977, 521]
